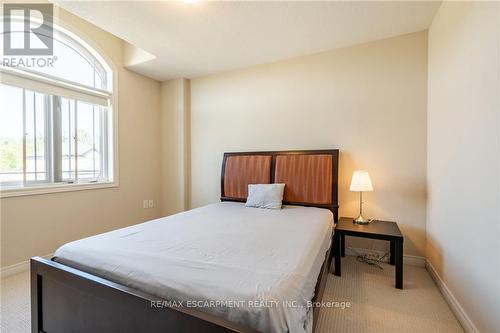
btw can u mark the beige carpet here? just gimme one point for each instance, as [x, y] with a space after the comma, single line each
[15, 304]
[376, 306]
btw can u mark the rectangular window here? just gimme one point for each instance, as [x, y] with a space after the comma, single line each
[11, 135]
[36, 149]
[49, 140]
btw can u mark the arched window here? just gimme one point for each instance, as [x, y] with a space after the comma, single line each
[56, 119]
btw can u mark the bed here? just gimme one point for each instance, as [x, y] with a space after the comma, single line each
[223, 267]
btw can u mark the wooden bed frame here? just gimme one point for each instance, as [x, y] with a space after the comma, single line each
[65, 299]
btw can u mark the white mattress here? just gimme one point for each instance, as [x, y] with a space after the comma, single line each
[220, 252]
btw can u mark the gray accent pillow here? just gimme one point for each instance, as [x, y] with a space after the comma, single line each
[265, 195]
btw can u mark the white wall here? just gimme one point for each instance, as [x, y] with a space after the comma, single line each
[38, 224]
[174, 146]
[369, 101]
[463, 242]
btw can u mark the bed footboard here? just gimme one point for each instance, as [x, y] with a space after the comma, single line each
[320, 287]
[64, 299]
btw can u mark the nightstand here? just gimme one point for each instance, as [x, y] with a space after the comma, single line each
[383, 230]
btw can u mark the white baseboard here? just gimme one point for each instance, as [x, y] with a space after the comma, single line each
[20, 267]
[455, 306]
[407, 258]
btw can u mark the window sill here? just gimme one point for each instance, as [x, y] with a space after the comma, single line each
[37, 190]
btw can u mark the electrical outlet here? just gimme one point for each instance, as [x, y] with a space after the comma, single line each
[145, 204]
[151, 203]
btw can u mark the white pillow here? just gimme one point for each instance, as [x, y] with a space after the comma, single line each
[265, 195]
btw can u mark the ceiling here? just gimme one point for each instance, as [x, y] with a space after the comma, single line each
[196, 38]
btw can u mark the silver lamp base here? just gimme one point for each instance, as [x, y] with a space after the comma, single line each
[361, 220]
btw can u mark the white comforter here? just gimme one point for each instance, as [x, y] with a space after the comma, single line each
[220, 252]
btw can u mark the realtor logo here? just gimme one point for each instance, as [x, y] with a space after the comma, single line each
[34, 22]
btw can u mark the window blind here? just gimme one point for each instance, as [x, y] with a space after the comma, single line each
[58, 87]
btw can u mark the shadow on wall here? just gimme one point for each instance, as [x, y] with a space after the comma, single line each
[433, 253]
[393, 199]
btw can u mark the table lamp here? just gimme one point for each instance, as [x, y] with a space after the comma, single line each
[361, 182]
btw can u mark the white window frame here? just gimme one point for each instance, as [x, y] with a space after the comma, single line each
[62, 88]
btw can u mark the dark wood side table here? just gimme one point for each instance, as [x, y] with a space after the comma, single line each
[383, 230]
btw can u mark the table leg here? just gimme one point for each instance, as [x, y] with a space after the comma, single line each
[342, 245]
[337, 252]
[399, 263]
[392, 258]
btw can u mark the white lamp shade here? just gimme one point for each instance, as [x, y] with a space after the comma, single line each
[361, 181]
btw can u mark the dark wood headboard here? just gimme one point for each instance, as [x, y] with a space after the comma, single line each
[311, 176]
